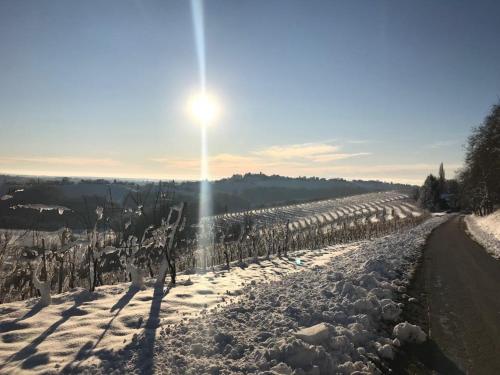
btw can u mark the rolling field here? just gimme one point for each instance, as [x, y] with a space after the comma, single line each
[371, 207]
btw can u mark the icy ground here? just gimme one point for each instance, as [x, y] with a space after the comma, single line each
[486, 231]
[340, 317]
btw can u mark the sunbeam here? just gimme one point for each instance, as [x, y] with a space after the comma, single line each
[204, 111]
[199, 38]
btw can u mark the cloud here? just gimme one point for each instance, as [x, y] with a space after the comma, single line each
[62, 161]
[306, 153]
[305, 150]
[327, 158]
[224, 165]
[360, 141]
[441, 144]
[280, 159]
[177, 162]
[220, 165]
[322, 159]
[392, 168]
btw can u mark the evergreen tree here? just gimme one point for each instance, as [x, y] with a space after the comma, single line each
[441, 172]
[442, 180]
[429, 194]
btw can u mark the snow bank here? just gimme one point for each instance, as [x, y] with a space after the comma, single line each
[337, 318]
[486, 231]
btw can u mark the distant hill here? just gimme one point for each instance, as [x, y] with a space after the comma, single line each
[239, 192]
[260, 190]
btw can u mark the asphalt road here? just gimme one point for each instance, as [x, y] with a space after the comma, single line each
[458, 290]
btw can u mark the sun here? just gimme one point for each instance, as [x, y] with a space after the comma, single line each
[204, 108]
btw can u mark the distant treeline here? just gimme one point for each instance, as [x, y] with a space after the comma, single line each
[239, 192]
[477, 186]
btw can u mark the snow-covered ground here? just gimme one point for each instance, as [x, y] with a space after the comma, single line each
[321, 312]
[486, 231]
[329, 211]
[50, 338]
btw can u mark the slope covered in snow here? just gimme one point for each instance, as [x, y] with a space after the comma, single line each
[486, 231]
[79, 326]
[337, 318]
[318, 312]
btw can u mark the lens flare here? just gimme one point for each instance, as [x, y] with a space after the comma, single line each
[204, 108]
[197, 13]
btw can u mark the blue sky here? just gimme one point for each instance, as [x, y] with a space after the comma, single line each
[355, 89]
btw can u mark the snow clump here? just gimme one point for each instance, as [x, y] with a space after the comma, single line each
[410, 333]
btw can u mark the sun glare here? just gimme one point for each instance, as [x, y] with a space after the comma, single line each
[204, 108]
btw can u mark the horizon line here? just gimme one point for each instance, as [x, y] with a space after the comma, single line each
[214, 179]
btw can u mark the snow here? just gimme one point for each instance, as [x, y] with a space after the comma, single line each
[44, 289]
[286, 320]
[364, 207]
[334, 313]
[282, 369]
[486, 231]
[390, 310]
[316, 334]
[137, 276]
[99, 211]
[78, 324]
[406, 332]
[42, 207]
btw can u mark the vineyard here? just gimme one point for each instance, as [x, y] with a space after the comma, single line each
[373, 207]
[40, 263]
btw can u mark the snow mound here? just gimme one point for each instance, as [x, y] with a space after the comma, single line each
[410, 333]
[486, 231]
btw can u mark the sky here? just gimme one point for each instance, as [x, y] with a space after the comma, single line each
[355, 89]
